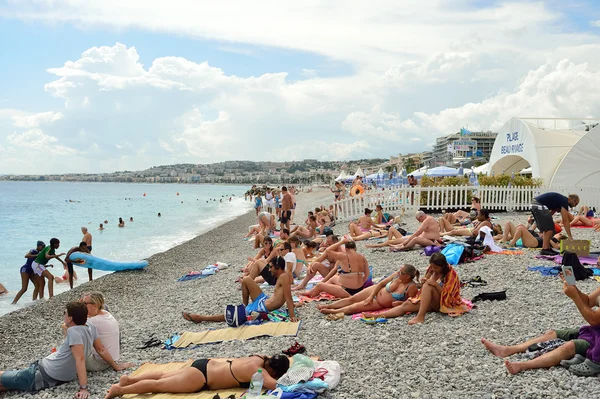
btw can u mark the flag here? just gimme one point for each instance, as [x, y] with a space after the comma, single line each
[464, 132]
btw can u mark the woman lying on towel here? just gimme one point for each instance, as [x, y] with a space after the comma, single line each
[365, 228]
[519, 236]
[483, 219]
[204, 374]
[440, 293]
[348, 278]
[398, 288]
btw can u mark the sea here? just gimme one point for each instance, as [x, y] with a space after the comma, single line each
[32, 211]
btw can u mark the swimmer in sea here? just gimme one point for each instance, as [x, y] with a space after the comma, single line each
[101, 227]
[121, 222]
[106, 222]
[70, 274]
[131, 219]
[158, 214]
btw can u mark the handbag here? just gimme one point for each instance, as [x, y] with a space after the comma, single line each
[490, 296]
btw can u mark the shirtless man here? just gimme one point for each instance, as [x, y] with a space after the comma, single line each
[260, 302]
[87, 238]
[427, 234]
[287, 203]
[83, 247]
[322, 264]
[310, 231]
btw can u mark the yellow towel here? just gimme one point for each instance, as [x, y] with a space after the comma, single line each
[147, 367]
[237, 334]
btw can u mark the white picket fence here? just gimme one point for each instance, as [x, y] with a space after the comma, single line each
[410, 199]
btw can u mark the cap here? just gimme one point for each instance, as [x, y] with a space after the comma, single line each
[41, 244]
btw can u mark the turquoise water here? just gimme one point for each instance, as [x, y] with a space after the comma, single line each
[34, 211]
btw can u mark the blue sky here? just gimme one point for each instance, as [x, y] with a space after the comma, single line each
[284, 81]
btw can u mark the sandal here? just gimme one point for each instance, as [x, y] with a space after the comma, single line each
[187, 316]
[152, 342]
[577, 359]
[587, 368]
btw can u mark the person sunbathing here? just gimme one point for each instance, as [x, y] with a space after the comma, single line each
[398, 286]
[427, 234]
[393, 237]
[440, 292]
[381, 217]
[572, 353]
[519, 236]
[348, 278]
[306, 232]
[310, 249]
[301, 262]
[204, 374]
[263, 254]
[364, 224]
[323, 263]
[483, 219]
[260, 302]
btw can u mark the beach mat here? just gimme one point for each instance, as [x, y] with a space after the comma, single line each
[237, 334]
[322, 296]
[148, 367]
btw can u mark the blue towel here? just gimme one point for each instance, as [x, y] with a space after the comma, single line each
[546, 270]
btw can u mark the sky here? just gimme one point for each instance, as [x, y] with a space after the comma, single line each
[91, 86]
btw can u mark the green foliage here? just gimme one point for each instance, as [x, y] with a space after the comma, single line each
[427, 181]
[504, 180]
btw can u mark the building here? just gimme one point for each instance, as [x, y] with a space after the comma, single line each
[456, 148]
[413, 159]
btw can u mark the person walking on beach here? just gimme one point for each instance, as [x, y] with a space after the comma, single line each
[287, 202]
[39, 266]
[87, 238]
[27, 273]
[543, 207]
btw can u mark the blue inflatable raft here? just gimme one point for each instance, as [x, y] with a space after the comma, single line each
[93, 262]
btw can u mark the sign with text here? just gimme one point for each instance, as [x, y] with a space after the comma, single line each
[579, 247]
[514, 144]
[464, 145]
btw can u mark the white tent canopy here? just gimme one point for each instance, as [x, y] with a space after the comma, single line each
[481, 169]
[521, 143]
[343, 175]
[359, 172]
[580, 167]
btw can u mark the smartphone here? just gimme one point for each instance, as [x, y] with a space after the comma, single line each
[568, 274]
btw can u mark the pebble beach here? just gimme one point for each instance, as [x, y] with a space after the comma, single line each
[442, 358]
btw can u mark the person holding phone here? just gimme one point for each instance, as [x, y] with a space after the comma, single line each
[580, 342]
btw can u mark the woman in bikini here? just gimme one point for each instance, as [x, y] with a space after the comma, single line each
[380, 217]
[389, 292]
[365, 228]
[348, 278]
[262, 255]
[440, 292]
[520, 236]
[300, 256]
[483, 219]
[204, 374]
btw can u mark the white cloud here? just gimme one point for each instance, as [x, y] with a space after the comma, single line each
[595, 24]
[34, 138]
[35, 120]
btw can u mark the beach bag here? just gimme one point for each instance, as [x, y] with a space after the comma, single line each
[235, 315]
[580, 272]
[490, 296]
[431, 249]
[327, 231]
[453, 253]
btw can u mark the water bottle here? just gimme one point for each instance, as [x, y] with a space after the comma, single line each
[256, 384]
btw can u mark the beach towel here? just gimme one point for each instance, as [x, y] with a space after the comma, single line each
[584, 260]
[358, 316]
[237, 334]
[149, 367]
[546, 270]
[509, 251]
[489, 239]
[323, 296]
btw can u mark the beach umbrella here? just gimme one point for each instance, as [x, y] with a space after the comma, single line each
[439, 171]
[473, 179]
[460, 170]
[404, 177]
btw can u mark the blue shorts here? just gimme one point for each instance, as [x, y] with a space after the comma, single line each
[258, 305]
[26, 269]
[22, 380]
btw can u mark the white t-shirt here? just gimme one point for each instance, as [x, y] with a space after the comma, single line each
[108, 332]
[290, 257]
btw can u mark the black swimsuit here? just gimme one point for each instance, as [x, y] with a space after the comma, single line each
[351, 291]
[202, 365]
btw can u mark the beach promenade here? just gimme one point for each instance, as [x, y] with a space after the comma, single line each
[442, 358]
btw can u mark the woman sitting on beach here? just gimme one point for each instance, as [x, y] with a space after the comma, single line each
[310, 249]
[440, 292]
[398, 286]
[266, 224]
[121, 222]
[108, 331]
[483, 219]
[381, 217]
[264, 253]
[223, 373]
[306, 232]
[348, 278]
[365, 228]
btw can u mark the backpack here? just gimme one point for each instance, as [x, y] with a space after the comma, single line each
[235, 315]
[580, 272]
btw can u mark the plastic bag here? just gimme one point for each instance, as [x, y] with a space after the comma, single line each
[453, 252]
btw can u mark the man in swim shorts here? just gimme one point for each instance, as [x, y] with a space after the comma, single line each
[260, 301]
[87, 238]
[287, 203]
[543, 207]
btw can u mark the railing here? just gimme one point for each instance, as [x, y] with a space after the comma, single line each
[410, 199]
